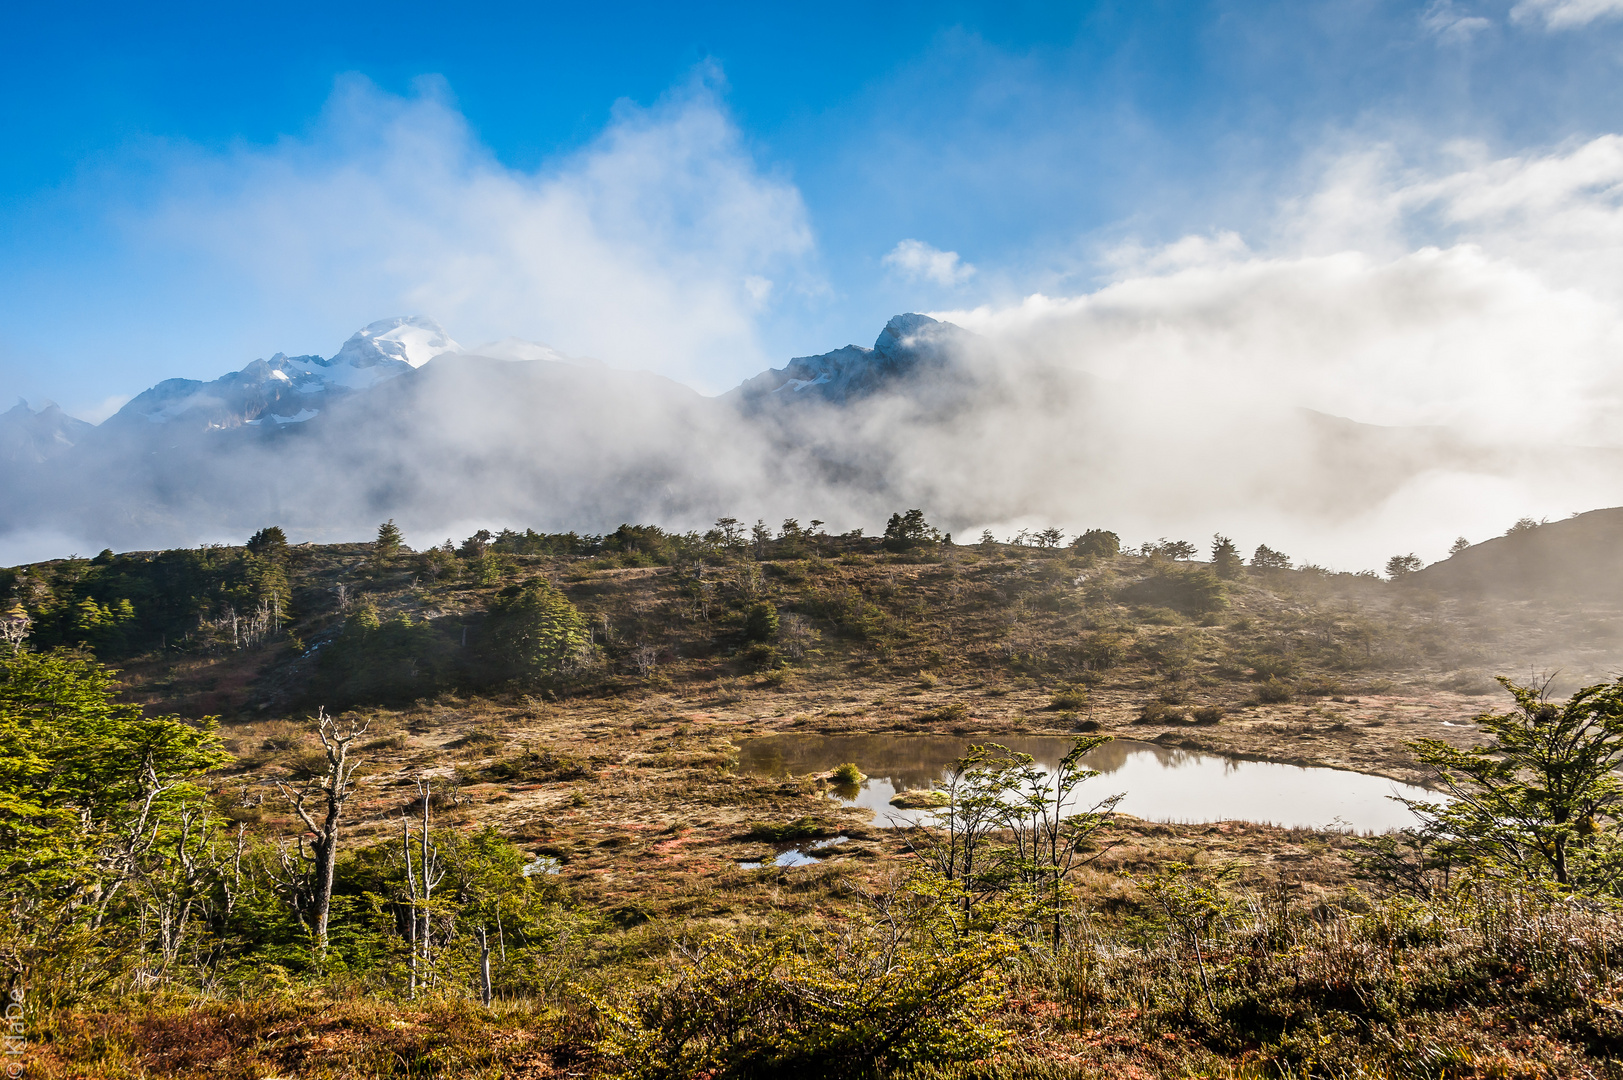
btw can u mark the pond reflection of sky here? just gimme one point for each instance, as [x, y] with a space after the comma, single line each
[1161, 784]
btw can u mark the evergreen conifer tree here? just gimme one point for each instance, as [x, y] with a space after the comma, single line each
[1226, 561]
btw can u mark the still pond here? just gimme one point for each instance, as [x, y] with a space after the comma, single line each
[1161, 783]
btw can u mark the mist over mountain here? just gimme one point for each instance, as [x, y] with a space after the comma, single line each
[403, 422]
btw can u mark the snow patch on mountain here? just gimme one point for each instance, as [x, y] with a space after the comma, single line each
[293, 389]
[409, 339]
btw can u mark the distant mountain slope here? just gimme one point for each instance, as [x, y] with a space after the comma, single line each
[909, 345]
[402, 422]
[32, 438]
[1576, 558]
[291, 389]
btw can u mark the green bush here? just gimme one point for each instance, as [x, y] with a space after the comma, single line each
[1275, 691]
[1271, 665]
[1099, 543]
[847, 774]
[1187, 589]
[954, 712]
[539, 767]
[1074, 697]
[822, 1007]
[761, 622]
[382, 662]
[803, 828]
[762, 657]
[535, 635]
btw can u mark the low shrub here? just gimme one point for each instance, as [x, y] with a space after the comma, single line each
[1271, 666]
[952, 713]
[847, 774]
[1318, 687]
[475, 740]
[803, 828]
[1275, 691]
[1186, 589]
[1070, 698]
[539, 767]
[1159, 712]
[819, 1007]
[761, 657]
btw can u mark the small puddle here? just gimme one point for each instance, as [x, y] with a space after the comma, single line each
[543, 864]
[797, 857]
[1161, 784]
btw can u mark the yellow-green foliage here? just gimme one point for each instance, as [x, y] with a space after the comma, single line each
[823, 1006]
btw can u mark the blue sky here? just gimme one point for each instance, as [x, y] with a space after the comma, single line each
[192, 187]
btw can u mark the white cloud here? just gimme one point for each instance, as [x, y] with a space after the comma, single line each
[1446, 20]
[1565, 14]
[1488, 297]
[1478, 306]
[917, 260]
[1557, 215]
[655, 246]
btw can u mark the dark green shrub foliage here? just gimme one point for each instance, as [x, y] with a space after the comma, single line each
[535, 635]
[1159, 712]
[1226, 561]
[383, 661]
[805, 828]
[1190, 590]
[907, 531]
[1266, 558]
[174, 600]
[761, 622]
[1100, 543]
[268, 543]
[1074, 697]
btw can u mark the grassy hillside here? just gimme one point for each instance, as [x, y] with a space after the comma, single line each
[1578, 559]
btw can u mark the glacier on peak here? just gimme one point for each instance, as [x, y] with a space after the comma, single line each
[410, 339]
[293, 389]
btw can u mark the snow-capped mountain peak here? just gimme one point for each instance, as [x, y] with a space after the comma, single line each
[292, 389]
[412, 339]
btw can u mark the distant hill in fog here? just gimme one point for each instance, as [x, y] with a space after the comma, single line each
[1579, 558]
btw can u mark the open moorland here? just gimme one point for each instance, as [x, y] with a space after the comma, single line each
[558, 725]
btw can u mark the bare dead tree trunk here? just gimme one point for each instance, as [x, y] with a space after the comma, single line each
[484, 963]
[421, 877]
[328, 794]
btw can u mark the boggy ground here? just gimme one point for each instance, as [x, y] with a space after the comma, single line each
[627, 776]
[636, 793]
